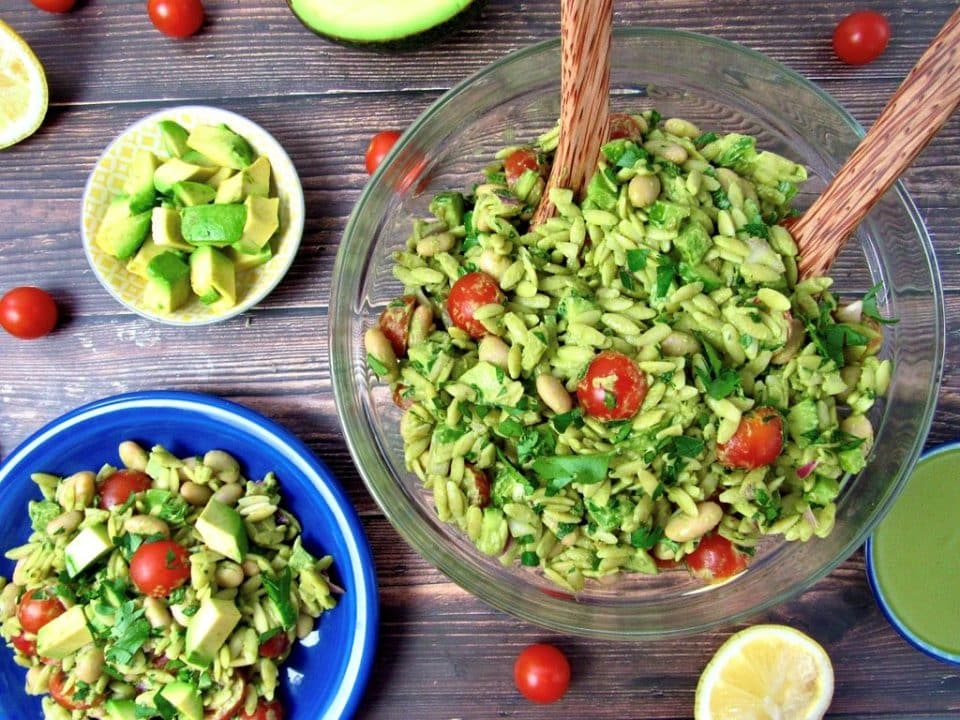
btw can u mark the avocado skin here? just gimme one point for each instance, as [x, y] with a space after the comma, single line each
[407, 43]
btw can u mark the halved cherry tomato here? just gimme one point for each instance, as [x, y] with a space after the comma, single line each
[757, 441]
[24, 644]
[861, 37]
[68, 699]
[116, 488]
[477, 486]
[158, 568]
[541, 673]
[623, 126]
[399, 397]
[37, 608]
[275, 646]
[232, 711]
[613, 387]
[468, 293]
[395, 322]
[272, 710]
[176, 18]
[55, 6]
[518, 162]
[715, 558]
[789, 221]
[378, 147]
[28, 312]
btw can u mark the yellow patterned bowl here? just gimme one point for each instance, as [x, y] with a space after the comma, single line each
[107, 180]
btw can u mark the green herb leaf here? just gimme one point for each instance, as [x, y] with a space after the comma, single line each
[164, 707]
[645, 538]
[278, 590]
[870, 307]
[626, 279]
[704, 139]
[378, 367]
[720, 199]
[666, 270]
[688, 447]
[528, 558]
[128, 634]
[564, 420]
[637, 259]
[586, 469]
[510, 428]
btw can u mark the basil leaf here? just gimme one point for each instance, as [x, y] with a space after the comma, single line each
[666, 270]
[645, 538]
[586, 469]
[637, 259]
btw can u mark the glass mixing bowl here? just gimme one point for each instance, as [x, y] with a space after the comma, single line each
[720, 86]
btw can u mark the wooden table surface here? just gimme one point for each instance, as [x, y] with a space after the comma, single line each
[442, 653]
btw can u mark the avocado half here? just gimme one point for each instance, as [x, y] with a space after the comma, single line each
[383, 24]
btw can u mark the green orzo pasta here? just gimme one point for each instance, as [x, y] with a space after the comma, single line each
[641, 371]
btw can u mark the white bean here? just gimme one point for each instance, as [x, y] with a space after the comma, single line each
[379, 348]
[157, 613]
[228, 494]
[132, 455]
[195, 494]
[223, 464]
[553, 393]
[65, 522]
[89, 666]
[494, 351]
[228, 575]
[76, 492]
[643, 190]
[493, 264]
[683, 528]
[146, 525]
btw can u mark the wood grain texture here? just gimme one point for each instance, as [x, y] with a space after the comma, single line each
[442, 653]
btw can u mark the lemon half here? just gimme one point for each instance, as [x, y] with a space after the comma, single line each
[23, 88]
[766, 672]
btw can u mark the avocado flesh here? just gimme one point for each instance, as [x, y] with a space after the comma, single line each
[209, 629]
[184, 698]
[222, 530]
[377, 22]
[64, 635]
[122, 232]
[168, 282]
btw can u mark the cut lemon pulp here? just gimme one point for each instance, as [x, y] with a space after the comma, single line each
[23, 88]
[766, 672]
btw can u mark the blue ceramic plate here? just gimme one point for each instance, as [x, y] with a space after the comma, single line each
[324, 678]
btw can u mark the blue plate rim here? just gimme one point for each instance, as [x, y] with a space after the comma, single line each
[360, 664]
[892, 618]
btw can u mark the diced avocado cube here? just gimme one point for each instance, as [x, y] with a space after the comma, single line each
[222, 530]
[212, 275]
[219, 177]
[89, 544]
[188, 192]
[175, 170]
[182, 697]
[122, 231]
[198, 158]
[263, 220]
[165, 229]
[147, 252]
[221, 145]
[63, 635]
[173, 137]
[218, 225]
[257, 180]
[209, 629]
[245, 257]
[121, 709]
[168, 282]
[231, 190]
[139, 182]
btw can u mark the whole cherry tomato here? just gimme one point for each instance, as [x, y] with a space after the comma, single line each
[116, 488]
[24, 644]
[37, 608]
[518, 162]
[470, 292]
[757, 441]
[623, 126]
[67, 698]
[275, 646]
[861, 37]
[378, 147]
[28, 312]
[715, 558]
[158, 568]
[541, 673]
[613, 387]
[55, 6]
[272, 710]
[176, 18]
[395, 322]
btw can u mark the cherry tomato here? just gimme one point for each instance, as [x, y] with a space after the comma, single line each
[789, 221]
[613, 387]
[34, 612]
[24, 644]
[176, 18]
[120, 485]
[468, 293]
[478, 491]
[715, 558]
[518, 162]
[861, 37]
[55, 6]
[395, 322]
[541, 673]
[157, 568]
[400, 398]
[272, 710]
[275, 646]
[623, 126]
[232, 711]
[378, 147]
[757, 441]
[66, 698]
[28, 312]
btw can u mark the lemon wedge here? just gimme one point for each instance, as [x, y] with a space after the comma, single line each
[23, 88]
[766, 672]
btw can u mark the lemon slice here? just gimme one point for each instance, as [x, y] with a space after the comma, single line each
[23, 88]
[766, 672]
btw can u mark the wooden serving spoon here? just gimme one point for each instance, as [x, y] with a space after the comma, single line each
[915, 113]
[585, 30]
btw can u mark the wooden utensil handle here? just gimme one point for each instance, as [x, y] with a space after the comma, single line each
[585, 29]
[918, 109]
